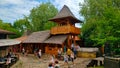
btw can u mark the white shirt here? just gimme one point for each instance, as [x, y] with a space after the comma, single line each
[39, 53]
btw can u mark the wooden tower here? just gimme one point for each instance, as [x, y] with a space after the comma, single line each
[66, 25]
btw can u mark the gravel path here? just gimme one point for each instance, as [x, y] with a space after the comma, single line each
[31, 61]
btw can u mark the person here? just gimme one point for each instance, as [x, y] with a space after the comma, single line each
[72, 46]
[72, 57]
[23, 51]
[9, 53]
[65, 49]
[39, 53]
[59, 53]
[56, 64]
[69, 53]
[14, 50]
[52, 60]
[50, 65]
[75, 50]
[35, 51]
[8, 60]
[27, 51]
[65, 59]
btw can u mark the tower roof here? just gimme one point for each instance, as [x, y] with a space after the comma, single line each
[65, 13]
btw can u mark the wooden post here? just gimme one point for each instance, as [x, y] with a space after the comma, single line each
[74, 40]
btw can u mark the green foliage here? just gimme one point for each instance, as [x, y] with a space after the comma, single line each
[37, 20]
[101, 22]
[9, 27]
[21, 25]
[40, 15]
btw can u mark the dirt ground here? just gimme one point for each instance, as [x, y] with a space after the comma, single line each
[31, 61]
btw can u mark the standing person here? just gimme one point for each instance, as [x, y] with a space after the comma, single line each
[72, 46]
[23, 51]
[35, 51]
[59, 53]
[39, 53]
[65, 48]
[69, 53]
[52, 60]
[65, 59]
[72, 57]
[27, 51]
[75, 51]
[14, 50]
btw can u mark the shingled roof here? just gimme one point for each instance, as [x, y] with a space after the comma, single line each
[56, 39]
[65, 13]
[22, 38]
[5, 32]
[8, 42]
[37, 37]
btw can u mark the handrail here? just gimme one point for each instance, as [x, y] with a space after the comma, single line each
[65, 29]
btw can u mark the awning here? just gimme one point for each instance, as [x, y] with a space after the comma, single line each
[57, 39]
[8, 42]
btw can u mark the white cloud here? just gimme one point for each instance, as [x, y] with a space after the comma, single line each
[10, 10]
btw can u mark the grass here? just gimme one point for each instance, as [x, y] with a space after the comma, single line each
[97, 67]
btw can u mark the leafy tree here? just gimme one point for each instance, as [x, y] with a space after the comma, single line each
[9, 27]
[101, 22]
[22, 24]
[40, 15]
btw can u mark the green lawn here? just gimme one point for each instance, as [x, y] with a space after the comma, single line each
[97, 67]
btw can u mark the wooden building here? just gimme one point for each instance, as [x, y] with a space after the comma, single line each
[64, 33]
[6, 43]
[59, 36]
[35, 41]
[4, 34]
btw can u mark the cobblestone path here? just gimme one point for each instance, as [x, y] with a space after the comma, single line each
[31, 61]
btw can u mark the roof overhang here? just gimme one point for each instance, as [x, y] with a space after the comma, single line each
[72, 19]
[9, 42]
[57, 39]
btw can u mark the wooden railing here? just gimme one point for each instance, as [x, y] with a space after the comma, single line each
[65, 30]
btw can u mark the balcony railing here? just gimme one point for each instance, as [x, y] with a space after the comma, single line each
[65, 30]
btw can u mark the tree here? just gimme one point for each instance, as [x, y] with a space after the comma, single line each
[9, 27]
[101, 22]
[39, 16]
[22, 24]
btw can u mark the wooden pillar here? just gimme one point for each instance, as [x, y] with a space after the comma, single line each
[74, 40]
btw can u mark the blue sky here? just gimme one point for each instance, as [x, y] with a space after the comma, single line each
[11, 10]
